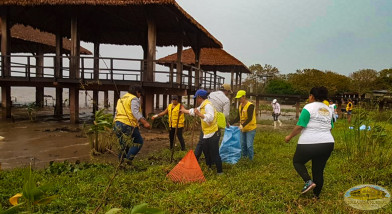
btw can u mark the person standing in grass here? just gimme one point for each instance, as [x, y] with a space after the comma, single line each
[209, 126]
[276, 112]
[333, 108]
[316, 142]
[349, 109]
[247, 118]
[127, 118]
[176, 121]
[221, 102]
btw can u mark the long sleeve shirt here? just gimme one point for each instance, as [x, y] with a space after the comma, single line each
[221, 102]
[135, 106]
[208, 116]
[276, 108]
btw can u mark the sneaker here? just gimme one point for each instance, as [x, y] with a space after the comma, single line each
[309, 185]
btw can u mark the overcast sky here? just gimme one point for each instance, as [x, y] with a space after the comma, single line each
[338, 35]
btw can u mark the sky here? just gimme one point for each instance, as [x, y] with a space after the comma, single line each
[343, 36]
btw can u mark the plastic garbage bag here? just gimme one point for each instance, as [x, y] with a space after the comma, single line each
[230, 149]
[363, 127]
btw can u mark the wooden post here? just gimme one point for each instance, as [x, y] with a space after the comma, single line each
[75, 49]
[198, 74]
[74, 71]
[179, 59]
[189, 100]
[257, 106]
[5, 43]
[157, 101]
[215, 80]
[171, 73]
[240, 79]
[149, 72]
[96, 76]
[297, 109]
[116, 96]
[106, 99]
[164, 104]
[58, 67]
[39, 91]
[232, 80]
[6, 102]
[74, 104]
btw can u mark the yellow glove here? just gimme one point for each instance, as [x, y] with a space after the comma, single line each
[241, 127]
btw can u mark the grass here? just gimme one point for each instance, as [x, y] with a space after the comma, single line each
[269, 184]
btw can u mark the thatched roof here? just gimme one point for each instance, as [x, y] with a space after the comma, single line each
[120, 22]
[211, 59]
[25, 39]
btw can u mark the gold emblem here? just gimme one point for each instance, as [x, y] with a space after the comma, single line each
[367, 197]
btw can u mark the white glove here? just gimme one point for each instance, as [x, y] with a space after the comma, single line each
[155, 116]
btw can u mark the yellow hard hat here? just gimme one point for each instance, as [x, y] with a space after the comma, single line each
[240, 93]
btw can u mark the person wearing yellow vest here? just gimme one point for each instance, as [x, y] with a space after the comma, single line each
[209, 125]
[349, 109]
[173, 110]
[247, 118]
[127, 118]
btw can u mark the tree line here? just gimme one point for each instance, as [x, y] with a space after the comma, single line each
[267, 79]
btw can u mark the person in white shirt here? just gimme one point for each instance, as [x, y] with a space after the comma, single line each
[276, 112]
[220, 100]
[316, 142]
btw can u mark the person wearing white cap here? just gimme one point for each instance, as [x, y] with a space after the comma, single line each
[276, 112]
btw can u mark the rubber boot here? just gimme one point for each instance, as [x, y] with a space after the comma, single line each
[280, 123]
[274, 124]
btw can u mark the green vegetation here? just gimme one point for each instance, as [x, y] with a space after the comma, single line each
[269, 184]
[99, 133]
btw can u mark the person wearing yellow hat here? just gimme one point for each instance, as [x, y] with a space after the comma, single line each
[247, 118]
[176, 121]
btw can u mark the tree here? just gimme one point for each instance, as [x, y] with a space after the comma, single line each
[279, 86]
[260, 76]
[384, 80]
[363, 80]
[304, 80]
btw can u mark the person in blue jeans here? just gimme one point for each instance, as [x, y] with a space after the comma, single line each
[127, 118]
[247, 118]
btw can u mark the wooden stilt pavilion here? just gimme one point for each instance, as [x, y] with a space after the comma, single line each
[120, 22]
[25, 39]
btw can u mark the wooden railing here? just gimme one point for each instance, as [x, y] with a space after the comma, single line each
[26, 66]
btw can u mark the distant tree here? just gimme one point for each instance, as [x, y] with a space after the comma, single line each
[279, 86]
[304, 80]
[384, 80]
[364, 80]
[260, 76]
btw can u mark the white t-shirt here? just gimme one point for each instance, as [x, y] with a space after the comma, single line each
[316, 118]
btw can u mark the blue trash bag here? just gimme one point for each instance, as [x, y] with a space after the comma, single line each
[230, 149]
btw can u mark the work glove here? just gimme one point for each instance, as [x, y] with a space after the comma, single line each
[155, 116]
[241, 127]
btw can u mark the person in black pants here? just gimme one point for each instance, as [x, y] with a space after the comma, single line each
[176, 121]
[316, 142]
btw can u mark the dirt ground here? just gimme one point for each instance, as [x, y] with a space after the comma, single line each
[49, 139]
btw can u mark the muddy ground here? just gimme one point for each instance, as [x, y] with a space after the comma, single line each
[51, 139]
